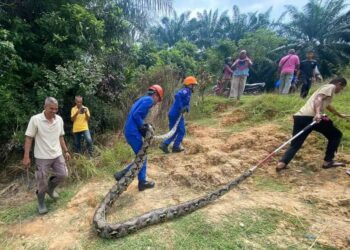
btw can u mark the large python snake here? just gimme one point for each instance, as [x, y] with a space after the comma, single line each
[120, 229]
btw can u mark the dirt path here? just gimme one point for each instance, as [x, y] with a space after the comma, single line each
[213, 156]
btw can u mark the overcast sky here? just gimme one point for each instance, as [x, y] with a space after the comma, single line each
[194, 6]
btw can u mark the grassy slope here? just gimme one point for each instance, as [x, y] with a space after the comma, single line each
[249, 229]
[234, 231]
[269, 108]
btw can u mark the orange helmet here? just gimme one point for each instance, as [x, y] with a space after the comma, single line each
[158, 89]
[190, 80]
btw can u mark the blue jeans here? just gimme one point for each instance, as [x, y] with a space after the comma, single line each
[77, 141]
[179, 133]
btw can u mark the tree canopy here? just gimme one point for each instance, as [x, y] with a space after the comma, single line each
[111, 50]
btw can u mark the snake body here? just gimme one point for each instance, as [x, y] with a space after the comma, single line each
[120, 229]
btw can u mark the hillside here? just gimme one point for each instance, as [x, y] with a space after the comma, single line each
[304, 207]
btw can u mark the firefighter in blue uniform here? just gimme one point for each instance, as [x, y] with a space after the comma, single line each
[135, 129]
[180, 106]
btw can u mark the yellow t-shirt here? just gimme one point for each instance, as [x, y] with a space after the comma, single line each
[309, 110]
[81, 122]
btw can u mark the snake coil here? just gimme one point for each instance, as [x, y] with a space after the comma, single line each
[120, 229]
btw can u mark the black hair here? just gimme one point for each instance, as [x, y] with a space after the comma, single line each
[151, 92]
[340, 80]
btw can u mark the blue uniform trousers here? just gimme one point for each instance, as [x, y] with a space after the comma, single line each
[135, 141]
[179, 133]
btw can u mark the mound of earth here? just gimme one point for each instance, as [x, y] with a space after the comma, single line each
[212, 157]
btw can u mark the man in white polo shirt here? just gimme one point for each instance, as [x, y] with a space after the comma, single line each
[47, 131]
[312, 111]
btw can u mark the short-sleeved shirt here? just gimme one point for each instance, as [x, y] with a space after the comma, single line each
[81, 122]
[241, 67]
[288, 63]
[46, 136]
[227, 72]
[309, 109]
[307, 68]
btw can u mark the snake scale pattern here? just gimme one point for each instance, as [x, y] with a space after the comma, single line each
[120, 229]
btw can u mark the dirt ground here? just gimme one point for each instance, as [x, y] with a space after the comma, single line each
[213, 156]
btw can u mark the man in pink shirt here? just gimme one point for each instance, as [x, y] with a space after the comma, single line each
[286, 66]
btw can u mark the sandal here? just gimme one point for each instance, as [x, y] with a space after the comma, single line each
[333, 164]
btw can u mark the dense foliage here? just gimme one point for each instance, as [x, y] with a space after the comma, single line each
[109, 52]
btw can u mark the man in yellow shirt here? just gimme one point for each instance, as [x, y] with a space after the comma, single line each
[80, 116]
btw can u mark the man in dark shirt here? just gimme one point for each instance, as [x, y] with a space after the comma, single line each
[307, 72]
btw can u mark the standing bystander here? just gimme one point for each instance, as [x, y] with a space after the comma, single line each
[80, 116]
[287, 65]
[240, 74]
[47, 131]
[307, 72]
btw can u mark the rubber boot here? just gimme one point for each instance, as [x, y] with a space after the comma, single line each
[51, 189]
[145, 185]
[164, 148]
[118, 175]
[41, 203]
[178, 150]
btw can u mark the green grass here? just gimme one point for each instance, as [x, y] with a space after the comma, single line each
[28, 210]
[249, 229]
[81, 168]
[269, 184]
[115, 158]
[107, 162]
[258, 228]
[144, 240]
[207, 108]
[268, 108]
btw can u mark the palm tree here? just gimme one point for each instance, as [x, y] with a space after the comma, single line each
[140, 12]
[242, 23]
[323, 27]
[158, 5]
[210, 27]
[173, 29]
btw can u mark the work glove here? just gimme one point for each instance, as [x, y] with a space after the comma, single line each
[144, 128]
[184, 109]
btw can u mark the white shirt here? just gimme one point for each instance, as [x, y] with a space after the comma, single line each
[309, 110]
[46, 136]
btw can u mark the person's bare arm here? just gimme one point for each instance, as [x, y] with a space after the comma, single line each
[250, 63]
[234, 64]
[317, 106]
[64, 148]
[335, 112]
[75, 116]
[27, 146]
[87, 114]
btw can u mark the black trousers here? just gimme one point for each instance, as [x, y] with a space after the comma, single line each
[324, 127]
[306, 86]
